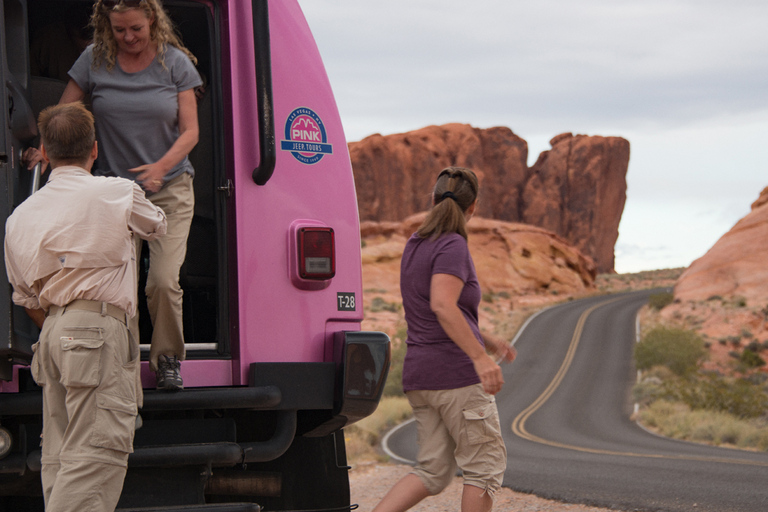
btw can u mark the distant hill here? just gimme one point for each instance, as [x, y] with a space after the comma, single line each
[723, 295]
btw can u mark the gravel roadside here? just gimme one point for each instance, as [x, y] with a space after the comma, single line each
[370, 482]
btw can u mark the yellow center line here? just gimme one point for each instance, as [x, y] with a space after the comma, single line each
[518, 425]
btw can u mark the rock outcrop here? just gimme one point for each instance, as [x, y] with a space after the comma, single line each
[735, 266]
[511, 257]
[576, 190]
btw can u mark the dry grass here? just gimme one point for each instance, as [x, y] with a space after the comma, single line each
[678, 421]
[363, 437]
[706, 319]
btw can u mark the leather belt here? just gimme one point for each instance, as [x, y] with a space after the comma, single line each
[96, 306]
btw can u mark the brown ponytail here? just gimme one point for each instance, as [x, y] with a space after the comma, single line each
[455, 191]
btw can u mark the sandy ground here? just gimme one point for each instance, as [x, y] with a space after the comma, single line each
[370, 482]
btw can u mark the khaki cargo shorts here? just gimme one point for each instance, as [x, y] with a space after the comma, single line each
[458, 428]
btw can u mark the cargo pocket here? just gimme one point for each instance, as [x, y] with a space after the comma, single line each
[481, 423]
[115, 423]
[81, 356]
[34, 366]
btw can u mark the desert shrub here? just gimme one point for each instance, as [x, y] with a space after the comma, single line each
[758, 438]
[711, 392]
[394, 384]
[659, 300]
[677, 349]
[379, 304]
[651, 387]
[751, 359]
[713, 427]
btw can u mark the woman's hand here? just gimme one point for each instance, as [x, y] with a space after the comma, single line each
[489, 373]
[33, 156]
[503, 351]
[506, 353]
[150, 176]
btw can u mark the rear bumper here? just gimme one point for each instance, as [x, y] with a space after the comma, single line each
[311, 399]
[213, 507]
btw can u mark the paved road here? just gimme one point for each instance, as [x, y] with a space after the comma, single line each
[565, 409]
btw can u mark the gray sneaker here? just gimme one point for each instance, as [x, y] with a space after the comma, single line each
[168, 373]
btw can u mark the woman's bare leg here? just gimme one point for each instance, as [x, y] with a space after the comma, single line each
[405, 494]
[475, 499]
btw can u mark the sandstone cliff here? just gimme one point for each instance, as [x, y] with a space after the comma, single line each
[576, 190]
[735, 265]
[723, 294]
[510, 257]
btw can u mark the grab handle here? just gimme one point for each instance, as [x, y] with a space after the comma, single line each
[266, 121]
[36, 175]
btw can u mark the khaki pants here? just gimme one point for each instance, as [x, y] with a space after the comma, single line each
[166, 256]
[458, 428]
[87, 365]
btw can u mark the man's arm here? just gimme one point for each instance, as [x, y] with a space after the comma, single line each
[147, 220]
[22, 294]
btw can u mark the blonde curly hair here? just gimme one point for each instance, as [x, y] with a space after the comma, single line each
[161, 31]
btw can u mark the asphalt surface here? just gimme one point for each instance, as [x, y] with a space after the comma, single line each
[565, 410]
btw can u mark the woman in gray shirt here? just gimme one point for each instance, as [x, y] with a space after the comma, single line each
[142, 82]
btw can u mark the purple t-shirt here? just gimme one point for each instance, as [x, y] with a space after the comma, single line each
[433, 360]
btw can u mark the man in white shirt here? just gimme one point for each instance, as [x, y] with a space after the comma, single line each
[71, 260]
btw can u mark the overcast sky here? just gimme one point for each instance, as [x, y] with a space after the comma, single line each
[686, 82]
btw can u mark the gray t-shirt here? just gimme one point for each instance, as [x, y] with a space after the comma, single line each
[137, 114]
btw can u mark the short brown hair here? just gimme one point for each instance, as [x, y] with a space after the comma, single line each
[67, 131]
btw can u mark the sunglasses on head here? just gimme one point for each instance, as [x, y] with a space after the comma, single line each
[111, 4]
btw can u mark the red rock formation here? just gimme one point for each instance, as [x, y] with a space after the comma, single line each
[577, 189]
[518, 258]
[735, 266]
[394, 174]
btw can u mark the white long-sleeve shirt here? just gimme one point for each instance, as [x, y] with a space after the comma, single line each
[73, 240]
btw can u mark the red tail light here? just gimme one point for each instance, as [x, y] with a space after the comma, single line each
[317, 253]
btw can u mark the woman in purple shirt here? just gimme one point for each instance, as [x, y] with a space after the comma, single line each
[448, 377]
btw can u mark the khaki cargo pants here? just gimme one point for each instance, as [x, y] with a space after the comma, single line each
[458, 428]
[166, 256]
[88, 368]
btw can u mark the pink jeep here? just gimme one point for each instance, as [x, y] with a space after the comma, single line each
[276, 362]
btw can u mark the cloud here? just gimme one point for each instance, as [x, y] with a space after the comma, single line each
[685, 81]
[539, 64]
